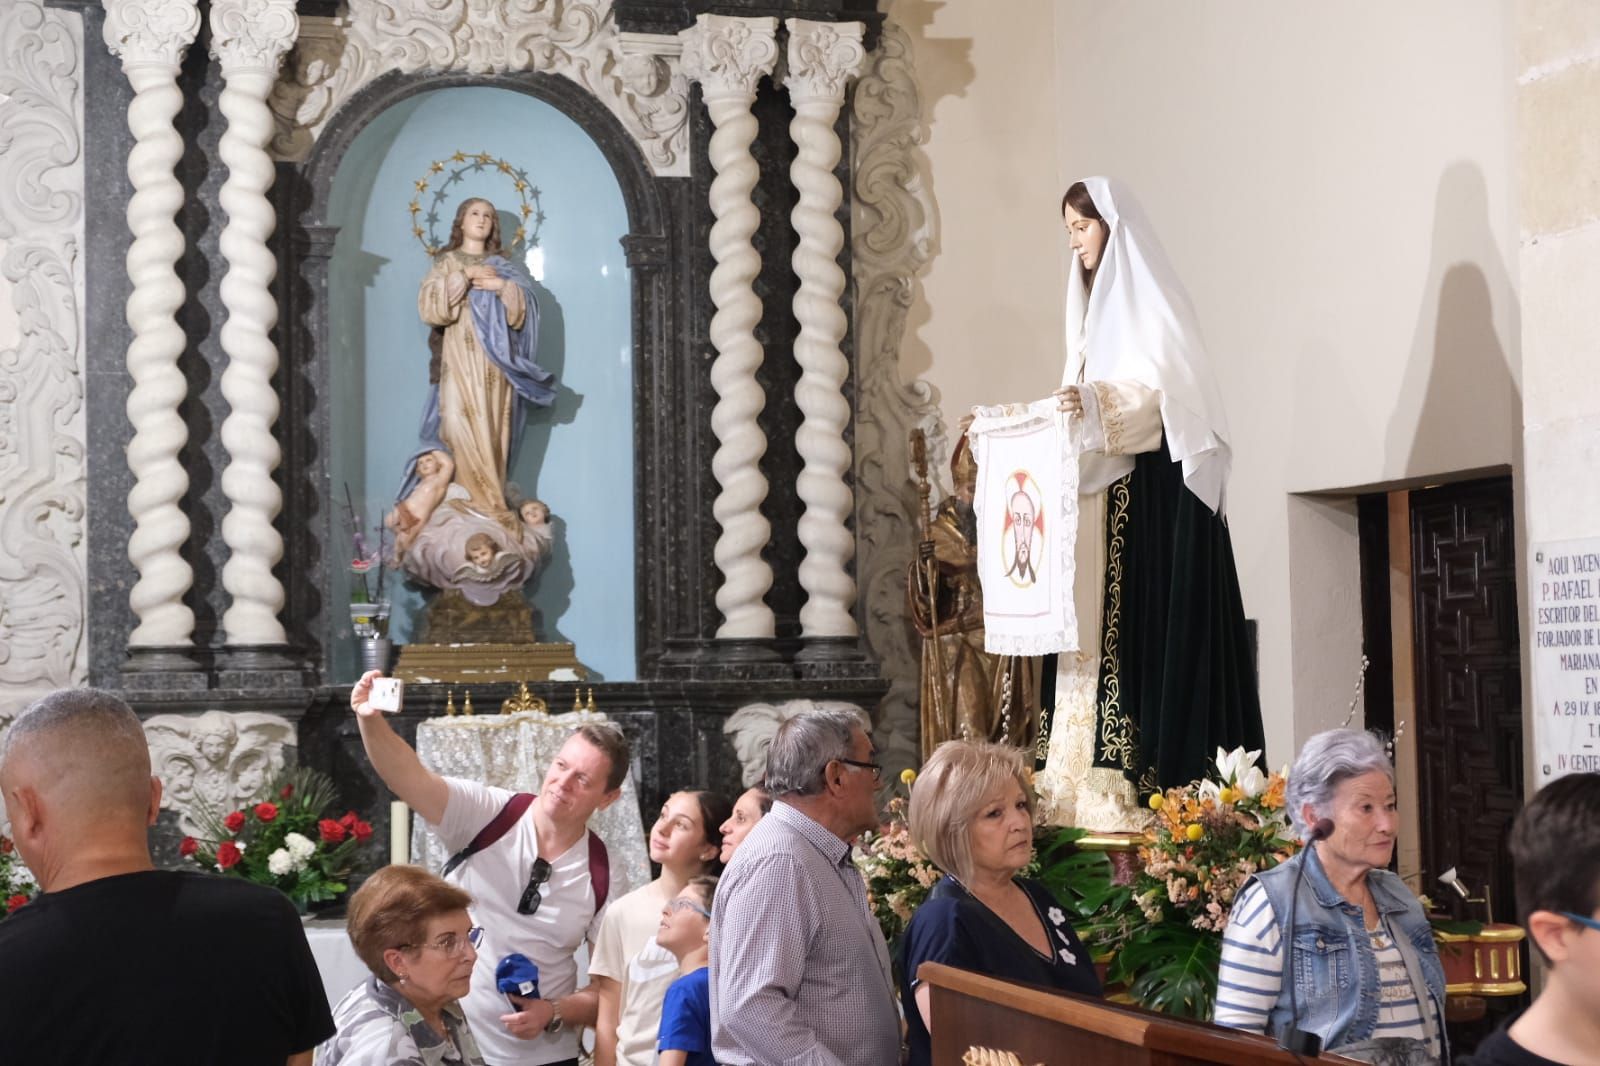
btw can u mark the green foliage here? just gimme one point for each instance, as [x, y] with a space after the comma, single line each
[1171, 968]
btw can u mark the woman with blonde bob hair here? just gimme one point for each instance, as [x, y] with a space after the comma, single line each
[972, 816]
[412, 930]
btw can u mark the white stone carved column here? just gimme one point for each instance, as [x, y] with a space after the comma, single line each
[823, 57]
[250, 38]
[43, 582]
[150, 37]
[729, 56]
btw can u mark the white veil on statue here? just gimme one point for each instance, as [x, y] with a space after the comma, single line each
[1138, 325]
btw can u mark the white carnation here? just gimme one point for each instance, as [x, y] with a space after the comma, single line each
[280, 862]
[299, 847]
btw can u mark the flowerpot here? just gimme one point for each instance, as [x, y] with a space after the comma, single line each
[376, 653]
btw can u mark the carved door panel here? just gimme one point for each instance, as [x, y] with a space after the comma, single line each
[1468, 684]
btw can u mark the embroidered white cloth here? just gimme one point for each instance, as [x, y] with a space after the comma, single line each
[1027, 514]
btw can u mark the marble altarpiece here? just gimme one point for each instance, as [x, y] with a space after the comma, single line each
[251, 159]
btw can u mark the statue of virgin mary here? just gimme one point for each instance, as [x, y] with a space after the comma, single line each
[483, 376]
[1165, 673]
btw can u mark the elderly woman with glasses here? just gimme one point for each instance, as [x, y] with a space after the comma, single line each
[412, 930]
[972, 816]
[1367, 979]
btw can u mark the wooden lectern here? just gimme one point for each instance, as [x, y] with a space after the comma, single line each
[973, 1012]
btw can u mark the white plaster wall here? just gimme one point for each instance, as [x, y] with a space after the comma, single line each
[986, 325]
[1333, 183]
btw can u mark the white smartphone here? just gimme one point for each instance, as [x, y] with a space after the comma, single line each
[386, 694]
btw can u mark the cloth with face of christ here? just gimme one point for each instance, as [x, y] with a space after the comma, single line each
[1026, 506]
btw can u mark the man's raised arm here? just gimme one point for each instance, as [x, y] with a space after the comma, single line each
[422, 790]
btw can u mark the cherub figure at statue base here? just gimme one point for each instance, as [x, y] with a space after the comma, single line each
[480, 556]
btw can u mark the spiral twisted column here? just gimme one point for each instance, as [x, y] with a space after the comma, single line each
[823, 57]
[250, 38]
[729, 56]
[150, 37]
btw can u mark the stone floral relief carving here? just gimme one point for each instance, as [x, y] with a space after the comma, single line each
[216, 762]
[751, 728]
[43, 586]
[893, 239]
[577, 39]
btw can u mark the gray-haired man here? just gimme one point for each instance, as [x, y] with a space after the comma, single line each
[799, 970]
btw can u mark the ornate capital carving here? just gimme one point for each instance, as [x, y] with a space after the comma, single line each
[151, 32]
[252, 34]
[216, 762]
[823, 57]
[729, 55]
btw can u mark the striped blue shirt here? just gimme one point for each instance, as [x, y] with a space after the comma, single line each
[1251, 974]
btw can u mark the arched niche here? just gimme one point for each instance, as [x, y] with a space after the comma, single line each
[660, 505]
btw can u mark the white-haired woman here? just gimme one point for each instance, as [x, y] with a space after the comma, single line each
[972, 816]
[1367, 978]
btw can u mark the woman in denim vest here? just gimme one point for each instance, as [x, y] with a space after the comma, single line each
[1366, 977]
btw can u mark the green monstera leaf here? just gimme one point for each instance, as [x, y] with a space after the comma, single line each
[1171, 968]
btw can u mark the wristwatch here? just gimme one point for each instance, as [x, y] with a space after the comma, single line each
[555, 1018]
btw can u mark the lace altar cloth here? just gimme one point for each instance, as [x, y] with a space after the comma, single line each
[513, 751]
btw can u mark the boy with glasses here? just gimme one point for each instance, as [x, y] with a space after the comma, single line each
[1555, 845]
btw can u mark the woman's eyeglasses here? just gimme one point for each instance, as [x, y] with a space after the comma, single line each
[450, 944]
[529, 903]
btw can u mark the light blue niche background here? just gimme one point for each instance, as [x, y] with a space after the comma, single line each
[576, 455]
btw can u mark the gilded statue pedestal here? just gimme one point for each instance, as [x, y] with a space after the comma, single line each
[461, 641]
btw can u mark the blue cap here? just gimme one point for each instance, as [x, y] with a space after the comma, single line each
[516, 975]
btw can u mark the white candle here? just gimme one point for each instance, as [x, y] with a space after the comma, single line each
[399, 833]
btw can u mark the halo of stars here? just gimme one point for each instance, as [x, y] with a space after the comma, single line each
[425, 219]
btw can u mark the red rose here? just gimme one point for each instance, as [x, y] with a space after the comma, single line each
[349, 820]
[188, 846]
[361, 829]
[288, 790]
[14, 902]
[266, 811]
[331, 831]
[227, 855]
[234, 822]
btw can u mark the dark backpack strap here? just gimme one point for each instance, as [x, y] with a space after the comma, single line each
[497, 828]
[599, 869]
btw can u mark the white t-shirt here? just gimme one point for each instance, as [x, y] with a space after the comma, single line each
[496, 877]
[627, 952]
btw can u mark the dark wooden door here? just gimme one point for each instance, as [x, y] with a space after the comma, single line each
[1468, 685]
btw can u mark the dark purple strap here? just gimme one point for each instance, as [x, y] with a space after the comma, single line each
[498, 827]
[599, 870]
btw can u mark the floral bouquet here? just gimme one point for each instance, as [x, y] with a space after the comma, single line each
[1208, 839]
[17, 885]
[287, 844]
[898, 876]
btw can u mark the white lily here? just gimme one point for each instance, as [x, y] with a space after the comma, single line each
[1210, 790]
[1251, 781]
[1230, 763]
